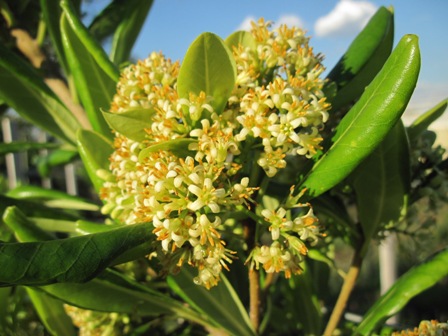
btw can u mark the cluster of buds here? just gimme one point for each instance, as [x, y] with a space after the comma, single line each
[197, 166]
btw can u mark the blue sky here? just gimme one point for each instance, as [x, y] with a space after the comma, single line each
[332, 24]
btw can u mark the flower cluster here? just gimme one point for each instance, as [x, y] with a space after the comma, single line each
[197, 166]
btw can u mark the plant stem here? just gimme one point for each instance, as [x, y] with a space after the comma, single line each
[249, 227]
[254, 294]
[347, 288]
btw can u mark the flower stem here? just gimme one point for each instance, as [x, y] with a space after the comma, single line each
[249, 226]
[347, 288]
[254, 294]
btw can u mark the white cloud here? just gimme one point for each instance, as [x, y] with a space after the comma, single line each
[245, 25]
[289, 20]
[346, 19]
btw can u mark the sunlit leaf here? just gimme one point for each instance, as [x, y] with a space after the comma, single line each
[412, 283]
[131, 123]
[177, 146]
[208, 67]
[426, 119]
[94, 86]
[94, 150]
[363, 59]
[370, 120]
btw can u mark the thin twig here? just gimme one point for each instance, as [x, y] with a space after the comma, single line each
[347, 288]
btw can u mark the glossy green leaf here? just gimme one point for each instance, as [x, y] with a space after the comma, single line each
[33, 209]
[382, 182]
[24, 229]
[19, 146]
[131, 123]
[94, 87]
[220, 303]
[95, 151]
[52, 198]
[54, 159]
[51, 12]
[24, 90]
[177, 146]
[208, 66]
[132, 20]
[106, 22]
[412, 283]
[112, 292]
[369, 120]
[363, 59]
[94, 49]
[51, 312]
[425, 120]
[77, 259]
[243, 38]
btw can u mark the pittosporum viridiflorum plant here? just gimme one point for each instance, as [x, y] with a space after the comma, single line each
[226, 181]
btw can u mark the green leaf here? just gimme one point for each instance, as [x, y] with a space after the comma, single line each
[176, 146]
[113, 292]
[132, 20]
[94, 49]
[363, 59]
[93, 85]
[369, 120]
[382, 182]
[425, 120]
[243, 38]
[57, 158]
[77, 259]
[51, 312]
[25, 91]
[221, 303]
[52, 198]
[131, 123]
[4, 305]
[24, 229]
[95, 151]
[21, 146]
[412, 283]
[208, 67]
[51, 12]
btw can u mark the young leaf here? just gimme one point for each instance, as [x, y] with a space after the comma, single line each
[220, 303]
[94, 87]
[51, 312]
[131, 123]
[412, 283]
[177, 146]
[241, 37]
[132, 20]
[363, 59]
[25, 91]
[382, 182]
[94, 150]
[208, 66]
[77, 259]
[426, 119]
[369, 121]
